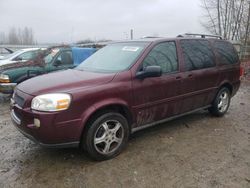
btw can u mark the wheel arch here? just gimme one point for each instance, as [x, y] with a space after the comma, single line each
[97, 110]
[227, 85]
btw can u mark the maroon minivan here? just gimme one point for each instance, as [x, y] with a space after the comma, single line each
[124, 87]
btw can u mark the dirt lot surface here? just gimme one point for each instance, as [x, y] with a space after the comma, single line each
[197, 150]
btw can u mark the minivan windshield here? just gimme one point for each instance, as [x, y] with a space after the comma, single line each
[113, 58]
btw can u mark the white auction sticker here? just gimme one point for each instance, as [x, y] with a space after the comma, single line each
[130, 48]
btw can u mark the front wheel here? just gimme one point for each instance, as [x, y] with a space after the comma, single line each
[106, 136]
[221, 103]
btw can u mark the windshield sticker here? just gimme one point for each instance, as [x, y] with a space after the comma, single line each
[130, 48]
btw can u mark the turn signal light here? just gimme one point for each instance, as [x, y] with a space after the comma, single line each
[4, 81]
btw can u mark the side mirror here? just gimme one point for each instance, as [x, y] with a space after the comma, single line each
[57, 63]
[150, 71]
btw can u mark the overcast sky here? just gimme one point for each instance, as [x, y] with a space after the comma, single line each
[74, 20]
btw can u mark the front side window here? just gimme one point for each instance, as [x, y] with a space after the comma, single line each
[50, 55]
[226, 51]
[114, 57]
[163, 55]
[65, 58]
[197, 54]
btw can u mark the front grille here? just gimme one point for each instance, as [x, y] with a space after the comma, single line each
[18, 100]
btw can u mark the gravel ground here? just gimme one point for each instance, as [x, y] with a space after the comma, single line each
[197, 150]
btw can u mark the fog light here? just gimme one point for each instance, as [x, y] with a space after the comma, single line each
[37, 123]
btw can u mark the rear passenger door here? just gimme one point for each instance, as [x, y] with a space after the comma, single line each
[200, 76]
[155, 98]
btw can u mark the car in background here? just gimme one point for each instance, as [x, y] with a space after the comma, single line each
[22, 55]
[5, 51]
[49, 60]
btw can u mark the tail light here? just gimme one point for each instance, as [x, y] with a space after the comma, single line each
[241, 70]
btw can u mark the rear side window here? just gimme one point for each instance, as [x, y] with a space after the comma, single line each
[197, 54]
[226, 52]
[163, 55]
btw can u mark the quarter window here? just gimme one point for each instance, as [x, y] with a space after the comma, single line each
[226, 52]
[197, 54]
[163, 55]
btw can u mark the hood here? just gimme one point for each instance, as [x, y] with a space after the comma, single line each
[63, 81]
[13, 65]
[4, 62]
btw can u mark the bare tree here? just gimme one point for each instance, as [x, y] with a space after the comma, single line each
[13, 36]
[227, 18]
[27, 36]
[21, 36]
[247, 26]
[2, 38]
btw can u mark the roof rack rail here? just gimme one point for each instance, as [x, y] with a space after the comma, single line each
[201, 35]
[149, 37]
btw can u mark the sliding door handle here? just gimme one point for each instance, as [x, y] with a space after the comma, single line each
[178, 77]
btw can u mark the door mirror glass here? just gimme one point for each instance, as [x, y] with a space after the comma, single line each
[149, 71]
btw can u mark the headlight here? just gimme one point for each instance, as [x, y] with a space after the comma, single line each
[4, 78]
[51, 102]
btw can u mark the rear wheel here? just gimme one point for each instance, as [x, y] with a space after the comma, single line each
[221, 103]
[106, 136]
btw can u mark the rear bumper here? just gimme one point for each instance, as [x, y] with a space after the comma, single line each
[7, 88]
[236, 87]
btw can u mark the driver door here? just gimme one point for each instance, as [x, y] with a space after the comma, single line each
[156, 98]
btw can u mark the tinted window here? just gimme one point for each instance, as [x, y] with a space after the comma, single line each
[163, 55]
[65, 58]
[226, 52]
[197, 54]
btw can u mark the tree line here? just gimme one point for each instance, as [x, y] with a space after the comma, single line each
[18, 36]
[227, 18]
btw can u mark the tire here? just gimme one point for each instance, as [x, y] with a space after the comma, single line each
[106, 136]
[221, 102]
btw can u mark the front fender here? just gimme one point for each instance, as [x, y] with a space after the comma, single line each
[86, 115]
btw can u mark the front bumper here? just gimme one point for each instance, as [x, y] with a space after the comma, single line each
[7, 88]
[56, 129]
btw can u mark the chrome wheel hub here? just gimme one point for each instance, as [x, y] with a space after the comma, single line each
[223, 101]
[108, 136]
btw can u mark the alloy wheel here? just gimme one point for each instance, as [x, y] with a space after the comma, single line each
[108, 136]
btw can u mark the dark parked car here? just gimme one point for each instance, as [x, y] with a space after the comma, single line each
[45, 61]
[124, 87]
